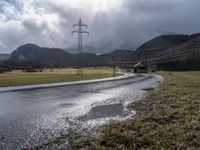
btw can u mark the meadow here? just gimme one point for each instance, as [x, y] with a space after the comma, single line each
[18, 77]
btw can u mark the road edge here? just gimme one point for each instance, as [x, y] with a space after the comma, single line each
[60, 84]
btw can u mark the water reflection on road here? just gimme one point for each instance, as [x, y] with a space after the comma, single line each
[34, 117]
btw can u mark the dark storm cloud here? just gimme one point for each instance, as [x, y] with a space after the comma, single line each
[49, 22]
[180, 16]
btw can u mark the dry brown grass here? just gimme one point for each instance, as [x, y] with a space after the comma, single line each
[166, 119]
[18, 77]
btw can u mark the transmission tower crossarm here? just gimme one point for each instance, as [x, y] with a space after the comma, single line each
[80, 31]
[75, 31]
[79, 24]
[83, 31]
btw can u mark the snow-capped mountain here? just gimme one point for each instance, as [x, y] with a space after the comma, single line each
[105, 45]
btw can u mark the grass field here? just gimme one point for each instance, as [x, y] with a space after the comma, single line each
[168, 118]
[18, 77]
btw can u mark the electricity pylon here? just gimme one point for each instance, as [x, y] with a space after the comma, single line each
[80, 31]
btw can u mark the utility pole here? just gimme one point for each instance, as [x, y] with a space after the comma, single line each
[80, 31]
[114, 66]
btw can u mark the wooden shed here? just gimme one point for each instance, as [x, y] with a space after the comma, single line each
[140, 68]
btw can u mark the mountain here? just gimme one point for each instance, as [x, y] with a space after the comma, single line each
[4, 56]
[161, 49]
[59, 57]
[45, 55]
[171, 52]
[105, 45]
[164, 42]
[86, 48]
[118, 54]
[108, 44]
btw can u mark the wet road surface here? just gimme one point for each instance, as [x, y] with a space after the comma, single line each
[33, 117]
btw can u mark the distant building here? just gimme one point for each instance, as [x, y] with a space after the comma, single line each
[140, 68]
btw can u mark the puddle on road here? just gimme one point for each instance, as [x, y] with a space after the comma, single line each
[148, 89]
[104, 111]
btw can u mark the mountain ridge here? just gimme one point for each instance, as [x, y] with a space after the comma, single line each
[59, 57]
[163, 42]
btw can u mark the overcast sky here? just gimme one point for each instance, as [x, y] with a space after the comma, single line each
[49, 22]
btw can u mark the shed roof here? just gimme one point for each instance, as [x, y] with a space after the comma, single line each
[139, 65]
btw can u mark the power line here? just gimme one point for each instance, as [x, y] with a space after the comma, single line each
[80, 31]
[165, 56]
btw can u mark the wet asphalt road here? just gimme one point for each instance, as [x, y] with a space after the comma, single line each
[29, 118]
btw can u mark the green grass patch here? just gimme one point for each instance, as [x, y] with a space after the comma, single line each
[168, 118]
[16, 78]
